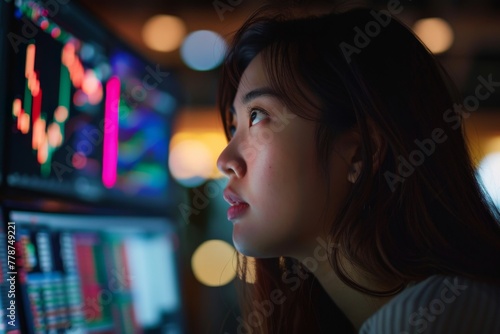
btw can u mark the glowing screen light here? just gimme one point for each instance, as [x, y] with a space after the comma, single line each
[144, 129]
[29, 117]
[203, 50]
[489, 176]
[50, 130]
[110, 150]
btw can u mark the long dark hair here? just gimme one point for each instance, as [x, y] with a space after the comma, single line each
[421, 212]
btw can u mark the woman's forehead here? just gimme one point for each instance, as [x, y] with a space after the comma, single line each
[253, 77]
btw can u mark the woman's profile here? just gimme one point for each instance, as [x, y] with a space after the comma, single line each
[350, 182]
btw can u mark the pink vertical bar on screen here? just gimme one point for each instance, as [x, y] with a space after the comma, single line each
[110, 149]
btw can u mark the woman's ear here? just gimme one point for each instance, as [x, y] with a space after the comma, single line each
[354, 171]
[378, 146]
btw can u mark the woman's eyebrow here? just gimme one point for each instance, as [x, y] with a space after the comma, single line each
[253, 94]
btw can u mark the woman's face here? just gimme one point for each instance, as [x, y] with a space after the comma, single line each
[272, 165]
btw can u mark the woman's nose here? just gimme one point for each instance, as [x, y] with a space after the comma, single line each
[231, 163]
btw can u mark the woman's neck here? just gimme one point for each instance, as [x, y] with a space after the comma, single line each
[356, 306]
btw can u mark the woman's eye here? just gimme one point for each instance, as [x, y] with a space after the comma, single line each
[257, 115]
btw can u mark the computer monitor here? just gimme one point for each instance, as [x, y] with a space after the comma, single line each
[90, 274]
[87, 117]
[4, 46]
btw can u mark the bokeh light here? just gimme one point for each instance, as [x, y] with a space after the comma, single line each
[203, 50]
[214, 263]
[489, 176]
[61, 114]
[250, 274]
[193, 156]
[492, 145]
[190, 162]
[54, 135]
[56, 32]
[163, 33]
[90, 83]
[435, 33]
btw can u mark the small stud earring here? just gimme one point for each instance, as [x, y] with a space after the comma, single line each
[354, 172]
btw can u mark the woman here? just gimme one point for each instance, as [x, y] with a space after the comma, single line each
[350, 182]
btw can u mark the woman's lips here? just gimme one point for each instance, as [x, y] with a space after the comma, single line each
[237, 210]
[238, 206]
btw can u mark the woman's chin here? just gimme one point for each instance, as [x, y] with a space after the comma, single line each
[244, 246]
[253, 247]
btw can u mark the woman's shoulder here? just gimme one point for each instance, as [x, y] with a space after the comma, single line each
[440, 304]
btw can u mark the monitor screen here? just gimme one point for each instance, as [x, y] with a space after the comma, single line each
[88, 116]
[94, 274]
